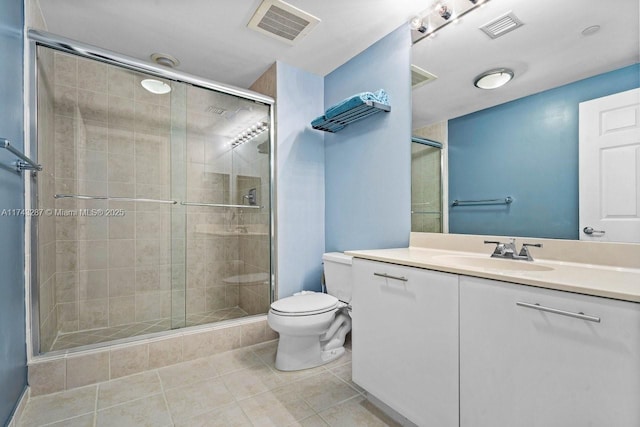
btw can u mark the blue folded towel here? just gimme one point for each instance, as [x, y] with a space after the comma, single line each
[355, 101]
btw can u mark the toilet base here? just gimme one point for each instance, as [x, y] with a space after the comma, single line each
[296, 353]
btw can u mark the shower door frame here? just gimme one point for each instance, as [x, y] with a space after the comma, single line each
[37, 38]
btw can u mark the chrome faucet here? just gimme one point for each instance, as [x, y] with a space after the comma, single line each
[509, 251]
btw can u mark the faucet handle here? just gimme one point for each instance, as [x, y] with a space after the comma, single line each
[535, 245]
[499, 250]
[524, 252]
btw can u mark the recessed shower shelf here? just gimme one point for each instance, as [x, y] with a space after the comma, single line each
[337, 123]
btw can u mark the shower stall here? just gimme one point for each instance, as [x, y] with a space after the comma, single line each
[154, 205]
[426, 185]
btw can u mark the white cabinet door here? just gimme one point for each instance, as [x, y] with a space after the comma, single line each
[405, 340]
[524, 367]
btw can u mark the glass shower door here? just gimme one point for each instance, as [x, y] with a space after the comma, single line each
[106, 241]
[157, 204]
[227, 207]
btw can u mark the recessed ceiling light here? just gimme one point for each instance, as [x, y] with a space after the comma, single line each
[165, 60]
[591, 30]
[493, 79]
[156, 86]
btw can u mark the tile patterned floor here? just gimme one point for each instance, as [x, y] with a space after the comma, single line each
[236, 388]
[93, 336]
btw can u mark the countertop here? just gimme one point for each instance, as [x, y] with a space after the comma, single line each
[589, 279]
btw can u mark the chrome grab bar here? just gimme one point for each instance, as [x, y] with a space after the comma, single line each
[506, 201]
[557, 311]
[220, 205]
[113, 199]
[387, 276]
[24, 163]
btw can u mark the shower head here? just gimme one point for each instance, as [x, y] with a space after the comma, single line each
[263, 148]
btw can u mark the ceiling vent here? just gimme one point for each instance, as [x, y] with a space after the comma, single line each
[420, 77]
[215, 110]
[282, 21]
[502, 25]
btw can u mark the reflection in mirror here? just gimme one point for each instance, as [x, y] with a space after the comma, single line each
[522, 139]
[426, 185]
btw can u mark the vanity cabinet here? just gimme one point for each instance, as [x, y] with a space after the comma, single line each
[405, 340]
[521, 366]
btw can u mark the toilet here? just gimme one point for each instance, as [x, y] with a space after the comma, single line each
[313, 325]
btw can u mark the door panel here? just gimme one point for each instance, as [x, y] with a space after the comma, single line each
[610, 168]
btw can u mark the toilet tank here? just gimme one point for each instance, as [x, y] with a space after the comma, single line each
[337, 275]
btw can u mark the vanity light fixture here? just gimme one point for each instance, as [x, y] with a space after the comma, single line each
[155, 86]
[493, 79]
[249, 134]
[439, 16]
[417, 24]
[444, 11]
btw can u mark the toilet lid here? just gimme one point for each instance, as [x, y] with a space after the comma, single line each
[306, 303]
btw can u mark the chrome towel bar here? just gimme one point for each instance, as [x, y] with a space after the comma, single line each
[23, 163]
[506, 201]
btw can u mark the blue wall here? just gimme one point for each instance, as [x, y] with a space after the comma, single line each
[13, 359]
[368, 163]
[528, 149]
[300, 180]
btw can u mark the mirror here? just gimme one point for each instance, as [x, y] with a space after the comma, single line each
[521, 140]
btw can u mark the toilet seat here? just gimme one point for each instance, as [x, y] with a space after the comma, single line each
[305, 304]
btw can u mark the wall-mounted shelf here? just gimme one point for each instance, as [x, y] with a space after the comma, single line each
[352, 109]
[337, 123]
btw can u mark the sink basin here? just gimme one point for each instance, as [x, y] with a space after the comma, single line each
[491, 263]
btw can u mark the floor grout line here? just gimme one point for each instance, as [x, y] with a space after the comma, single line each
[164, 397]
[270, 380]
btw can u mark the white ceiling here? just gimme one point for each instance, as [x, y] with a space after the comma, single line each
[548, 51]
[211, 39]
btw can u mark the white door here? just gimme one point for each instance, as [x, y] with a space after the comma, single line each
[610, 168]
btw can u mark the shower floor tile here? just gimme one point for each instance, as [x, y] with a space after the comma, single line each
[94, 336]
[236, 388]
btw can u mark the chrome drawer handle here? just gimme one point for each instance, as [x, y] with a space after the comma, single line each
[557, 311]
[387, 276]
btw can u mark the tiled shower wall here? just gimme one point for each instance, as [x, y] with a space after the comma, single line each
[253, 245]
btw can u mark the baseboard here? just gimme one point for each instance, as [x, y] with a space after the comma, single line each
[390, 412]
[22, 403]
